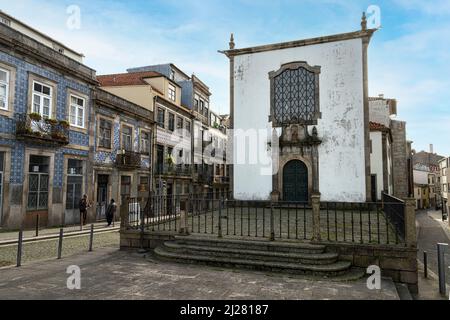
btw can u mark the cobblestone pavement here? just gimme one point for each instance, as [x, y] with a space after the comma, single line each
[47, 249]
[113, 274]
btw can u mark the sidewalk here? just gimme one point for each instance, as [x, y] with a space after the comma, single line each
[13, 235]
[437, 216]
[430, 231]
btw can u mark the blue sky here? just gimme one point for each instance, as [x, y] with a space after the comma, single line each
[408, 57]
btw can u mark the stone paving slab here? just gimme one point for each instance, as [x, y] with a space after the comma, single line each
[112, 274]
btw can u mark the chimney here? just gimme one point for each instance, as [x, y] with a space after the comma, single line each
[431, 149]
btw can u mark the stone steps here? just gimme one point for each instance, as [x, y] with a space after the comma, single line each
[303, 258]
[282, 257]
[262, 245]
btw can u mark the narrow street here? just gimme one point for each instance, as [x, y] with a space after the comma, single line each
[431, 232]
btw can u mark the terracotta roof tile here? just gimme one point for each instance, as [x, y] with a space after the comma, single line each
[377, 126]
[126, 79]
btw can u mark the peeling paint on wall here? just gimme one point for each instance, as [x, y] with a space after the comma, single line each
[341, 128]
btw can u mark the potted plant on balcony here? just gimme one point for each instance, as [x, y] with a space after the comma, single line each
[64, 124]
[35, 116]
[170, 162]
[51, 122]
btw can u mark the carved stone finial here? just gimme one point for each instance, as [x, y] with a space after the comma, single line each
[314, 131]
[232, 44]
[364, 21]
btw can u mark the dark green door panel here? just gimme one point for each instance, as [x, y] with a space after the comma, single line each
[295, 181]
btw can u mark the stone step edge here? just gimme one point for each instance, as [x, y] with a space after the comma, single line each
[262, 253]
[274, 244]
[330, 268]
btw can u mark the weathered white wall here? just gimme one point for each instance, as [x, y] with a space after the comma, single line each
[379, 112]
[376, 160]
[342, 164]
[420, 177]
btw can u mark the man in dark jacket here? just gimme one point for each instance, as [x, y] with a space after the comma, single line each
[111, 212]
[83, 209]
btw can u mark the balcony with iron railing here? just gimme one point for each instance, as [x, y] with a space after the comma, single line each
[221, 179]
[128, 160]
[33, 128]
[174, 170]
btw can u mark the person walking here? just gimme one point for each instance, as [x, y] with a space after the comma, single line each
[84, 205]
[111, 212]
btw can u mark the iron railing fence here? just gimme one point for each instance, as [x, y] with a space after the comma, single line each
[359, 223]
[394, 209]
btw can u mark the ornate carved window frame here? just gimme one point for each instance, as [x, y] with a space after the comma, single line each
[295, 66]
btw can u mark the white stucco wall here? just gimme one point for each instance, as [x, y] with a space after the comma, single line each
[342, 162]
[420, 177]
[376, 160]
[379, 112]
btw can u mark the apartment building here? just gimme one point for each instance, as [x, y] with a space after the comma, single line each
[45, 103]
[444, 168]
[427, 179]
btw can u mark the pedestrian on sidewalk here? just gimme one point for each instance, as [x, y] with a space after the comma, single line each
[111, 212]
[84, 205]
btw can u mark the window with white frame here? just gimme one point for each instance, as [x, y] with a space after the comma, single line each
[77, 111]
[145, 142]
[42, 99]
[172, 92]
[4, 89]
[127, 138]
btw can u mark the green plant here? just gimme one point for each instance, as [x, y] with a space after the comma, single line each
[170, 160]
[64, 123]
[35, 116]
[51, 121]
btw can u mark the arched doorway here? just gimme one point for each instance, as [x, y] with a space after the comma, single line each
[295, 181]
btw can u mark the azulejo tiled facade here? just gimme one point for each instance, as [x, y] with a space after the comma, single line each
[65, 134]
[121, 166]
[41, 166]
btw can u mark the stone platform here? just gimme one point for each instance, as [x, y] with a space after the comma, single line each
[113, 274]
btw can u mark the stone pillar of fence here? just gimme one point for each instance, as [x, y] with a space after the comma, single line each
[124, 207]
[183, 219]
[410, 222]
[315, 203]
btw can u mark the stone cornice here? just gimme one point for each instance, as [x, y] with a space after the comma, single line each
[29, 47]
[362, 34]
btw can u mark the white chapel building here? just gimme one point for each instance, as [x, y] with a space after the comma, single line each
[313, 95]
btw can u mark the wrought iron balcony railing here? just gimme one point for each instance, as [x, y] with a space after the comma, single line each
[174, 170]
[221, 179]
[45, 131]
[128, 159]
